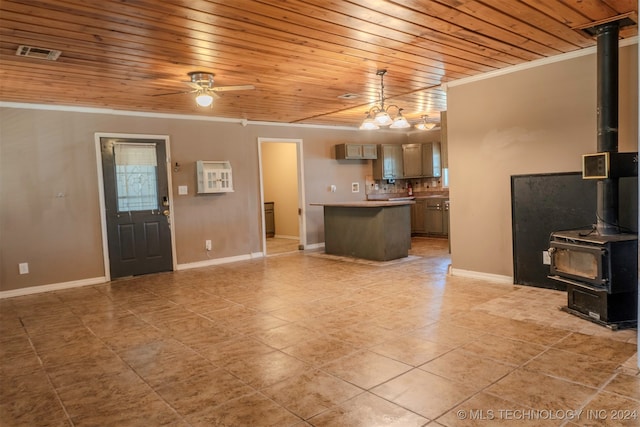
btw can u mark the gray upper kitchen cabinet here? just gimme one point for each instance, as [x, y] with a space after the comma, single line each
[421, 160]
[388, 165]
[356, 151]
[444, 144]
[431, 166]
[369, 151]
[412, 160]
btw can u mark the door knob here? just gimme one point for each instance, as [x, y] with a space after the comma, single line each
[166, 212]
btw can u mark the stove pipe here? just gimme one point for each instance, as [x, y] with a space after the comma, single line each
[607, 103]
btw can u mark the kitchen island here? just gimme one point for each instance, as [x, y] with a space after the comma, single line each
[376, 230]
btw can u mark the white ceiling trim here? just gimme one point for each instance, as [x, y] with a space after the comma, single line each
[91, 110]
[533, 64]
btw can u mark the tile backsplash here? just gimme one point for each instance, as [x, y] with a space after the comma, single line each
[384, 188]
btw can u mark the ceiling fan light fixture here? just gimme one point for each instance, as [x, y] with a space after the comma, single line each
[204, 99]
[201, 78]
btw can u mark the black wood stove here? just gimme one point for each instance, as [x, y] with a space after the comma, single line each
[600, 272]
[599, 266]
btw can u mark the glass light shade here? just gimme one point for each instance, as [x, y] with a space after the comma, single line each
[400, 122]
[369, 124]
[383, 118]
[204, 100]
[425, 126]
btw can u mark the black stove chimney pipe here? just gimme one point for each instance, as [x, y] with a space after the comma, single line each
[607, 189]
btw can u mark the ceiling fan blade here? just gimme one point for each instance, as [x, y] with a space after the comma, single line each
[194, 85]
[175, 93]
[229, 88]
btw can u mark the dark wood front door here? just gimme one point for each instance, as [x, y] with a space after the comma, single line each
[136, 195]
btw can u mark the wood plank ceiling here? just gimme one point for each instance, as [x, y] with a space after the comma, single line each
[301, 55]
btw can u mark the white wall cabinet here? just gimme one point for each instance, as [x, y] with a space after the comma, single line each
[214, 176]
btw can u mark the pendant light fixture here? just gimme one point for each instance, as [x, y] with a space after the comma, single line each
[379, 116]
[424, 124]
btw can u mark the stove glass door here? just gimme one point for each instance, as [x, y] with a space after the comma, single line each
[579, 262]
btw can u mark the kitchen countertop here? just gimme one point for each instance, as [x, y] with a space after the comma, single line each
[432, 197]
[416, 196]
[367, 203]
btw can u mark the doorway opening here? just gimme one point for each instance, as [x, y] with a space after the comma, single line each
[135, 204]
[281, 195]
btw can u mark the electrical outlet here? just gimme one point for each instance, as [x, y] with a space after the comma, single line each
[207, 245]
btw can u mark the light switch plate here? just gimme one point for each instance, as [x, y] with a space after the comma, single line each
[23, 267]
[183, 190]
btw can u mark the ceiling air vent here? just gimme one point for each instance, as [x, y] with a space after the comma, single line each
[38, 52]
[348, 96]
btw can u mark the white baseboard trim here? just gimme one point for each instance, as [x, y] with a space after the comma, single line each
[52, 287]
[218, 261]
[98, 280]
[314, 246]
[484, 276]
[284, 236]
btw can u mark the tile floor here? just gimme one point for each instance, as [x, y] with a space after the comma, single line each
[280, 245]
[300, 340]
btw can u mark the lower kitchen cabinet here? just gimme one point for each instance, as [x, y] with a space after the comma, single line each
[445, 217]
[417, 216]
[269, 219]
[433, 218]
[430, 217]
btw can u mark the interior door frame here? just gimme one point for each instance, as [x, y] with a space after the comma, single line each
[302, 222]
[103, 217]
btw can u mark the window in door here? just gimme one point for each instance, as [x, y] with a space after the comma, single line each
[136, 177]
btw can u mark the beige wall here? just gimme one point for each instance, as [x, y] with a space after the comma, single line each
[419, 137]
[538, 120]
[532, 121]
[44, 153]
[280, 185]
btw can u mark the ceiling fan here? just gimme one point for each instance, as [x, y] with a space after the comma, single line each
[202, 85]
